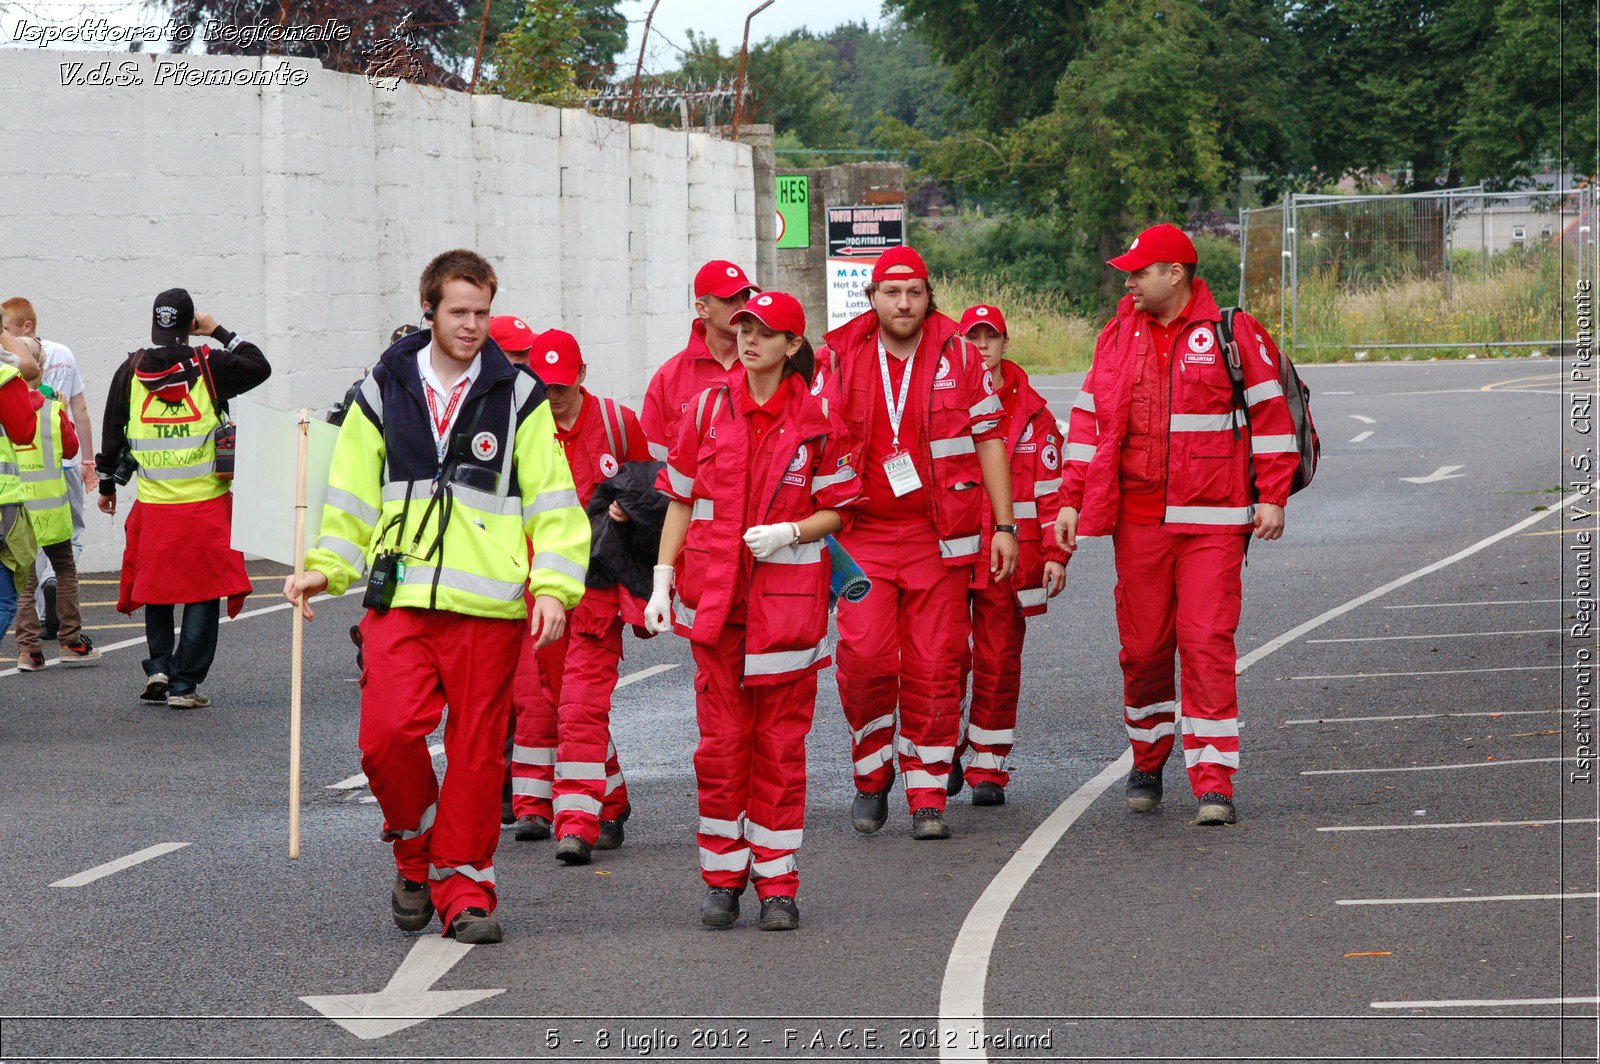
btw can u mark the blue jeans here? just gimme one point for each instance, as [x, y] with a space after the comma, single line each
[186, 660]
[8, 600]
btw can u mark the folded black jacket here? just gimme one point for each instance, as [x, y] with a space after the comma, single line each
[624, 552]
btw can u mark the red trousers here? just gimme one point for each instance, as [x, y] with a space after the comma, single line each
[751, 770]
[995, 667]
[563, 763]
[1180, 592]
[415, 662]
[900, 652]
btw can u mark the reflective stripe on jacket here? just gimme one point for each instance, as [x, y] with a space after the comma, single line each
[44, 480]
[11, 492]
[1033, 448]
[174, 443]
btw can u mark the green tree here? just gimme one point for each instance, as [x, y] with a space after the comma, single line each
[536, 60]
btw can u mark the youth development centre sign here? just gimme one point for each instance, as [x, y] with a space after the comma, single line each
[856, 237]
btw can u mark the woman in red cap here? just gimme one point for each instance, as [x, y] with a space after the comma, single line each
[760, 473]
[1000, 607]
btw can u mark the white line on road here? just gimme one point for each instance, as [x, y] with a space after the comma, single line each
[1435, 768]
[1472, 897]
[1364, 419]
[966, 973]
[1480, 602]
[1360, 436]
[1485, 1003]
[1424, 716]
[1338, 393]
[645, 674]
[149, 853]
[1431, 672]
[1466, 824]
[1439, 635]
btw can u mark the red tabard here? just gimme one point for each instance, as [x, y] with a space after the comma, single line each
[178, 553]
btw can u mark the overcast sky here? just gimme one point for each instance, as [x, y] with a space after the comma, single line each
[724, 20]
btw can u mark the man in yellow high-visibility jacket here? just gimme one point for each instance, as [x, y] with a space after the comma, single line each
[447, 466]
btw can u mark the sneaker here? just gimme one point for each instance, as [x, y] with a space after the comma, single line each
[611, 833]
[155, 689]
[958, 776]
[869, 812]
[929, 824]
[81, 652]
[52, 623]
[720, 907]
[779, 913]
[30, 660]
[475, 927]
[1216, 808]
[412, 904]
[988, 793]
[532, 829]
[188, 700]
[1143, 791]
[573, 850]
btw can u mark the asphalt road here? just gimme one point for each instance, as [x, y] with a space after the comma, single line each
[1430, 715]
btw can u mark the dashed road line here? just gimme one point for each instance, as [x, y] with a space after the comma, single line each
[1468, 898]
[1466, 824]
[100, 871]
[1479, 602]
[1434, 768]
[1423, 716]
[1437, 635]
[1427, 672]
[1364, 419]
[1360, 436]
[1485, 1003]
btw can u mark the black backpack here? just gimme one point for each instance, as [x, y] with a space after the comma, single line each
[1295, 393]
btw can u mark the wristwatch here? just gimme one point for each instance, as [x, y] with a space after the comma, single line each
[1007, 528]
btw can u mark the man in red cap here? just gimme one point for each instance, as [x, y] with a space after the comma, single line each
[514, 337]
[1000, 609]
[1160, 457]
[932, 433]
[565, 777]
[720, 291]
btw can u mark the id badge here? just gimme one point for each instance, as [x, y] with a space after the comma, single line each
[902, 474]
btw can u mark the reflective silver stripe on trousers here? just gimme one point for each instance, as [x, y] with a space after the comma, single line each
[703, 510]
[778, 866]
[580, 770]
[613, 782]
[1030, 597]
[1084, 402]
[1080, 452]
[984, 759]
[1210, 515]
[885, 721]
[1041, 488]
[737, 861]
[530, 788]
[577, 803]
[795, 554]
[951, 447]
[1150, 735]
[340, 499]
[348, 552]
[546, 501]
[784, 839]
[1274, 445]
[725, 829]
[1141, 712]
[874, 760]
[955, 548]
[1227, 728]
[918, 778]
[1028, 509]
[995, 737]
[184, 472]
[421, 829]
[1199, 754]
[477, 875]
[533, 755]
[681, 484]
[457, 580]
[1207, 422]
[557, 564]
[924, 754]
[1264, 390]
[777, 662]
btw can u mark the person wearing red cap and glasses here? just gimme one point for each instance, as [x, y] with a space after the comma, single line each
[712, 357]
[933, 444]
[761, 472]
[565, 777]
[515, 338]
[1160, 459]
[1000, 609]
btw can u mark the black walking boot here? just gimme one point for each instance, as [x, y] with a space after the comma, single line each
[779, 913]
[1216, 808]
[869, 812]
[720, 907]
[1144, 791]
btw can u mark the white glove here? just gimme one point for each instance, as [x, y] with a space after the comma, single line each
[658, 611]
[766, 540]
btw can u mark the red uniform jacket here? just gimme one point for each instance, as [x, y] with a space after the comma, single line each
[680, 379]
[1210, 450]
[605, 435]
[731, 483]
[962, 409]
[1033, 444]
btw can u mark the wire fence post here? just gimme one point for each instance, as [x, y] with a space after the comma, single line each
[1292, 239]
[1283, 264]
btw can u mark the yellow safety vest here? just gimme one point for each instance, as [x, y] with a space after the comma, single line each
[174, 444]
[11, 492]
[44, 481]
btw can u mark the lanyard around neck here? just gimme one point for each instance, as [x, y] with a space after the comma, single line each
[897, 409]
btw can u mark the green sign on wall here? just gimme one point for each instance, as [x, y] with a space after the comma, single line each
[794, 211]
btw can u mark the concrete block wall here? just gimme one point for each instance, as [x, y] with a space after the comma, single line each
[301, 217]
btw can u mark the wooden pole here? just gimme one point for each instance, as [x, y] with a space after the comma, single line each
[483, 31]
[296, 670]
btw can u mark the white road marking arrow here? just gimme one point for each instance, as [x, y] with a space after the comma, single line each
[1364, 419]
[406, 1001]
[1444, 472]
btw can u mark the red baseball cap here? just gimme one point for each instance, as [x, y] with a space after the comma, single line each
[722, 279]
[1159, 243]
[556, 357]
[983, 314]
[510, 332]
[778, 311]
[899, 264]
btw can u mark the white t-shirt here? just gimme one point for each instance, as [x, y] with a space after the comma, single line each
[61, 374]
[440, 404]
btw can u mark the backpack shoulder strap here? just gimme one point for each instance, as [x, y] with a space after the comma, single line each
[202, 359]
[714, 396]
[609, 419]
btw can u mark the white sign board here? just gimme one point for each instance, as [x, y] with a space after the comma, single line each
[856, 237]
[263, 479]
